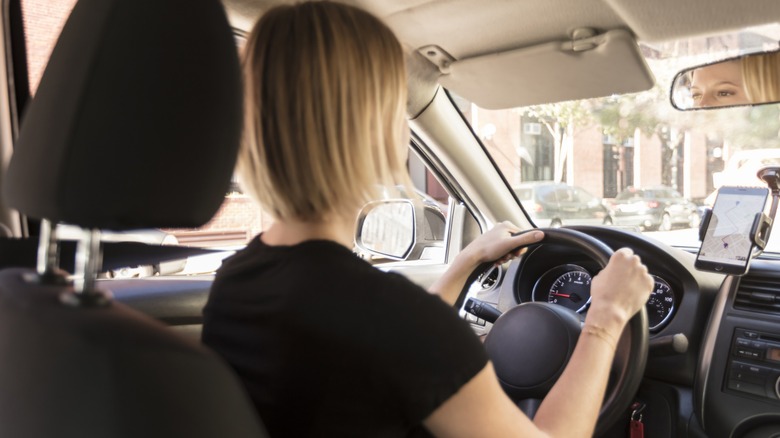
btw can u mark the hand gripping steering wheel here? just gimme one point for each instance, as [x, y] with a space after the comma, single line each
[530, 344]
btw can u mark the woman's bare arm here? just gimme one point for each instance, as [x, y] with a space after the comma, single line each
[481, 408]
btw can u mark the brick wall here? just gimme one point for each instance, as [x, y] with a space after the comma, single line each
[43, 21]
[239, 212]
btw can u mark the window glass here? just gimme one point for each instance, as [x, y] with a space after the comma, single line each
[646, 151]
[43, 21]
[584, 196]
[239, 218]
[523, 194]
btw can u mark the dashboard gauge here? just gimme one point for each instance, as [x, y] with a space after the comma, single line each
[660, 306]
[571, 289]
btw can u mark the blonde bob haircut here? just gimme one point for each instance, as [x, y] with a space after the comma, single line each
[325, 111]
[761, 75]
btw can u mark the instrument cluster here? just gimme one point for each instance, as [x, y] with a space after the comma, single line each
[569, 286]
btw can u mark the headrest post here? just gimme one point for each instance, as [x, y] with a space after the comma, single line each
[89, 259]
[49, 256]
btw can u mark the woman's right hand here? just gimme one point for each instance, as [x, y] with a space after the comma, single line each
[619, 291]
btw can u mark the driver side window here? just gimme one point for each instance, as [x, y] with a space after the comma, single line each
[406, 227]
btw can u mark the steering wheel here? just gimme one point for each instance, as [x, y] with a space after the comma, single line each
[531, 344]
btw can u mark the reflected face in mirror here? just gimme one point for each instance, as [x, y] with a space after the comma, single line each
[747, 80]
[761, 73]
[718, 85]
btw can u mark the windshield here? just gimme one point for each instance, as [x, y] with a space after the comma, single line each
[646, 166]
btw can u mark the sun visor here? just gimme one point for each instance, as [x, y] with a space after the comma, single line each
[595, 66]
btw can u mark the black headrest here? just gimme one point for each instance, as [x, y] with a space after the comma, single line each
[137, 119]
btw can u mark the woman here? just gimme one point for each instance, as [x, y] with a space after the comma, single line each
[718, 85]
[761, 72]
[325, 343]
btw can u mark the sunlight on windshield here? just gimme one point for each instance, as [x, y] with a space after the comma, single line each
[633, 161]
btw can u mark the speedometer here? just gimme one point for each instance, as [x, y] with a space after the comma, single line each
[660, 305]
[572, 290]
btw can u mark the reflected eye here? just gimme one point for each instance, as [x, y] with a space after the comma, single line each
[726, 93]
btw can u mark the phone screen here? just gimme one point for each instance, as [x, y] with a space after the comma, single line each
[727, 243]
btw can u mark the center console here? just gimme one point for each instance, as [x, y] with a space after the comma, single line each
[737, 390]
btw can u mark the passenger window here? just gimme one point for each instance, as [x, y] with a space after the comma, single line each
[238, 219]
[43, 21]
[420, 236]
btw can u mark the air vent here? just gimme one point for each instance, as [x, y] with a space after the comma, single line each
[488, 279]
[761, 294]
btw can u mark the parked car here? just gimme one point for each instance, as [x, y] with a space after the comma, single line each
[655, 208]
[551, 204]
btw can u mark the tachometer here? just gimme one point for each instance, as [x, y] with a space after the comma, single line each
[660, 305]
[572, 290]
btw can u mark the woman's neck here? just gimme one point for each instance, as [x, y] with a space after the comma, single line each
[292, 232]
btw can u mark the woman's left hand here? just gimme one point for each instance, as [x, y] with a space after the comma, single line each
[501, 244]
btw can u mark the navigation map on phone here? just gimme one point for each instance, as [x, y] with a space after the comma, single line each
[727, 239]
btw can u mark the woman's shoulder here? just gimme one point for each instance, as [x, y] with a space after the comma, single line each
[322, 263]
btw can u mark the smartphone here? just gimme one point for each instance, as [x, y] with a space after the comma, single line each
[728, 243]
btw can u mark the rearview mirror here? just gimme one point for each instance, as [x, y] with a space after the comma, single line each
[745, 80]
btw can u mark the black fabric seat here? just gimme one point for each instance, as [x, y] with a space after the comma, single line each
[106, 372]
[135, 124]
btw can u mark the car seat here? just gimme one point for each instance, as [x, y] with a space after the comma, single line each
[136, 124]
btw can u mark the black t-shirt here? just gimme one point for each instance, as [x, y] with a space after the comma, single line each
[328, 345]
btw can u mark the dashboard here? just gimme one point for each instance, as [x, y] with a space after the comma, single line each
[727, 382]
[688, 392]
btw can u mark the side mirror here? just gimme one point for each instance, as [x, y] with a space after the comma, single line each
[745, 80]
[401, 229]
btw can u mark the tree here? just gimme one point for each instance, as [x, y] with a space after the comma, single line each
[560, 119]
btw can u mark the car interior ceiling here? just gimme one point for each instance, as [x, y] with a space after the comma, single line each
[686, 389]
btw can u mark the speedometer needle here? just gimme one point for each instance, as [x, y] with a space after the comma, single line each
[561, 295]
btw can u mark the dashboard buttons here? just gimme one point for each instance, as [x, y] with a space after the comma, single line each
[752, 366]
[748, 377]
[748, 353]
[750, 388]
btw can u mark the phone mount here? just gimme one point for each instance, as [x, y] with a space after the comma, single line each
[771, 176]
[759, 232]
[762, 224]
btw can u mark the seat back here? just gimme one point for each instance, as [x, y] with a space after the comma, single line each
[135, 125]
[107, 372]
